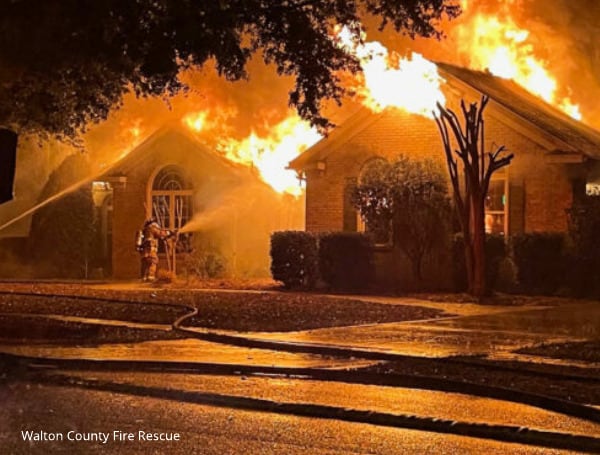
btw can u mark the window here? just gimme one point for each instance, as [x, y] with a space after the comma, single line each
[496, 205]
[171, 201]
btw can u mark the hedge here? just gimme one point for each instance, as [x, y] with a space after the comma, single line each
[346, 260]
[540, 260]
[294, 259]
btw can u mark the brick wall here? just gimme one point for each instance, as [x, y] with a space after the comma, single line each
[539, 192]
[248, 209]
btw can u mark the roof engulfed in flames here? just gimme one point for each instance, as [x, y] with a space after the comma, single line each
[388, 80]
[502, 48]
[493, 43]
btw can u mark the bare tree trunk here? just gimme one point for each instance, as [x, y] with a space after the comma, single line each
[478, 285]
[475, 174]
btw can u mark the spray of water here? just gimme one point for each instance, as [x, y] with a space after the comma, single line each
[236, 202]
[47, 201]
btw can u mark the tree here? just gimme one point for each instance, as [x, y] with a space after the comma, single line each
[413, 196]
[584, 224]
[470, 182]
[63, 233]
[66, 63]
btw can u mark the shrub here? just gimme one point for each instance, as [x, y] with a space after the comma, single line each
[540, 260]
[346, 260]
[495, 255]
[205, 263]
[294, 258]
[413, 196]
[164, 276]
[62, 236]
[583, 271]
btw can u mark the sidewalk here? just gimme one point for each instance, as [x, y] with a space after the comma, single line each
[477, 330]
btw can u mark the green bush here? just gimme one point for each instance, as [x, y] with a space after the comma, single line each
[495, 254]
[346, 260]
[62, 237]
[294, 259]
[583, 270]
[540, 259]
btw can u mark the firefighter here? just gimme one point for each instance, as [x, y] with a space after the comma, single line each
[151, 234]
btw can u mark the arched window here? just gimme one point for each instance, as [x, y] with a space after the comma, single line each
[171, 197]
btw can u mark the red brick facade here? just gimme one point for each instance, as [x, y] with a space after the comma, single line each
[539, 191]
[240, 227]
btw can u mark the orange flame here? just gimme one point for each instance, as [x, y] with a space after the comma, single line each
[271, 155]
[412, 84]
[503, 48]
[196, 121]
[388, 80]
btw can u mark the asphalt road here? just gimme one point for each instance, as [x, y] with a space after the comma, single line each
[205, 429]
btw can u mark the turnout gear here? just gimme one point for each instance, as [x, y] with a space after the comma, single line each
[151, 234]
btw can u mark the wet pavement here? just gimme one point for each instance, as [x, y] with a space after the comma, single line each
[477, 330]
[210, 430]
[185, 350]
[491, 331]
[495, 332]
[395, 400]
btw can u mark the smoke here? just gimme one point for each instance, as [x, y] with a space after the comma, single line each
[238, 224]
[238, 202]
[36, 160]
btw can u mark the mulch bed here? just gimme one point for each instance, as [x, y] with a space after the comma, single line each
[245, 312]
[289, 312]
[68, 306]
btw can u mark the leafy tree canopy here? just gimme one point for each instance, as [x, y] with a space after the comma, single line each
[64, 63]
[410, 197]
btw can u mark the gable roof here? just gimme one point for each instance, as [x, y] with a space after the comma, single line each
[129, 160]
[166, 132]
[528, 107]
[572, 135]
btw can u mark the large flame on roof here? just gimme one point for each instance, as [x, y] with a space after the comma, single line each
[497, 44]
[388, 80]
[412, 84]
[270, 155]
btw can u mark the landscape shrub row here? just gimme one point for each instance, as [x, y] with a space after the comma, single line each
[342, 260]
[533, 263]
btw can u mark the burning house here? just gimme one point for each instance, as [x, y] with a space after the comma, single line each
[556, 159]
[223, 210]
[219, 170]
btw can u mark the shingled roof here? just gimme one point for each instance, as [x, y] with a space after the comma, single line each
[529, 107]
[572, 135]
